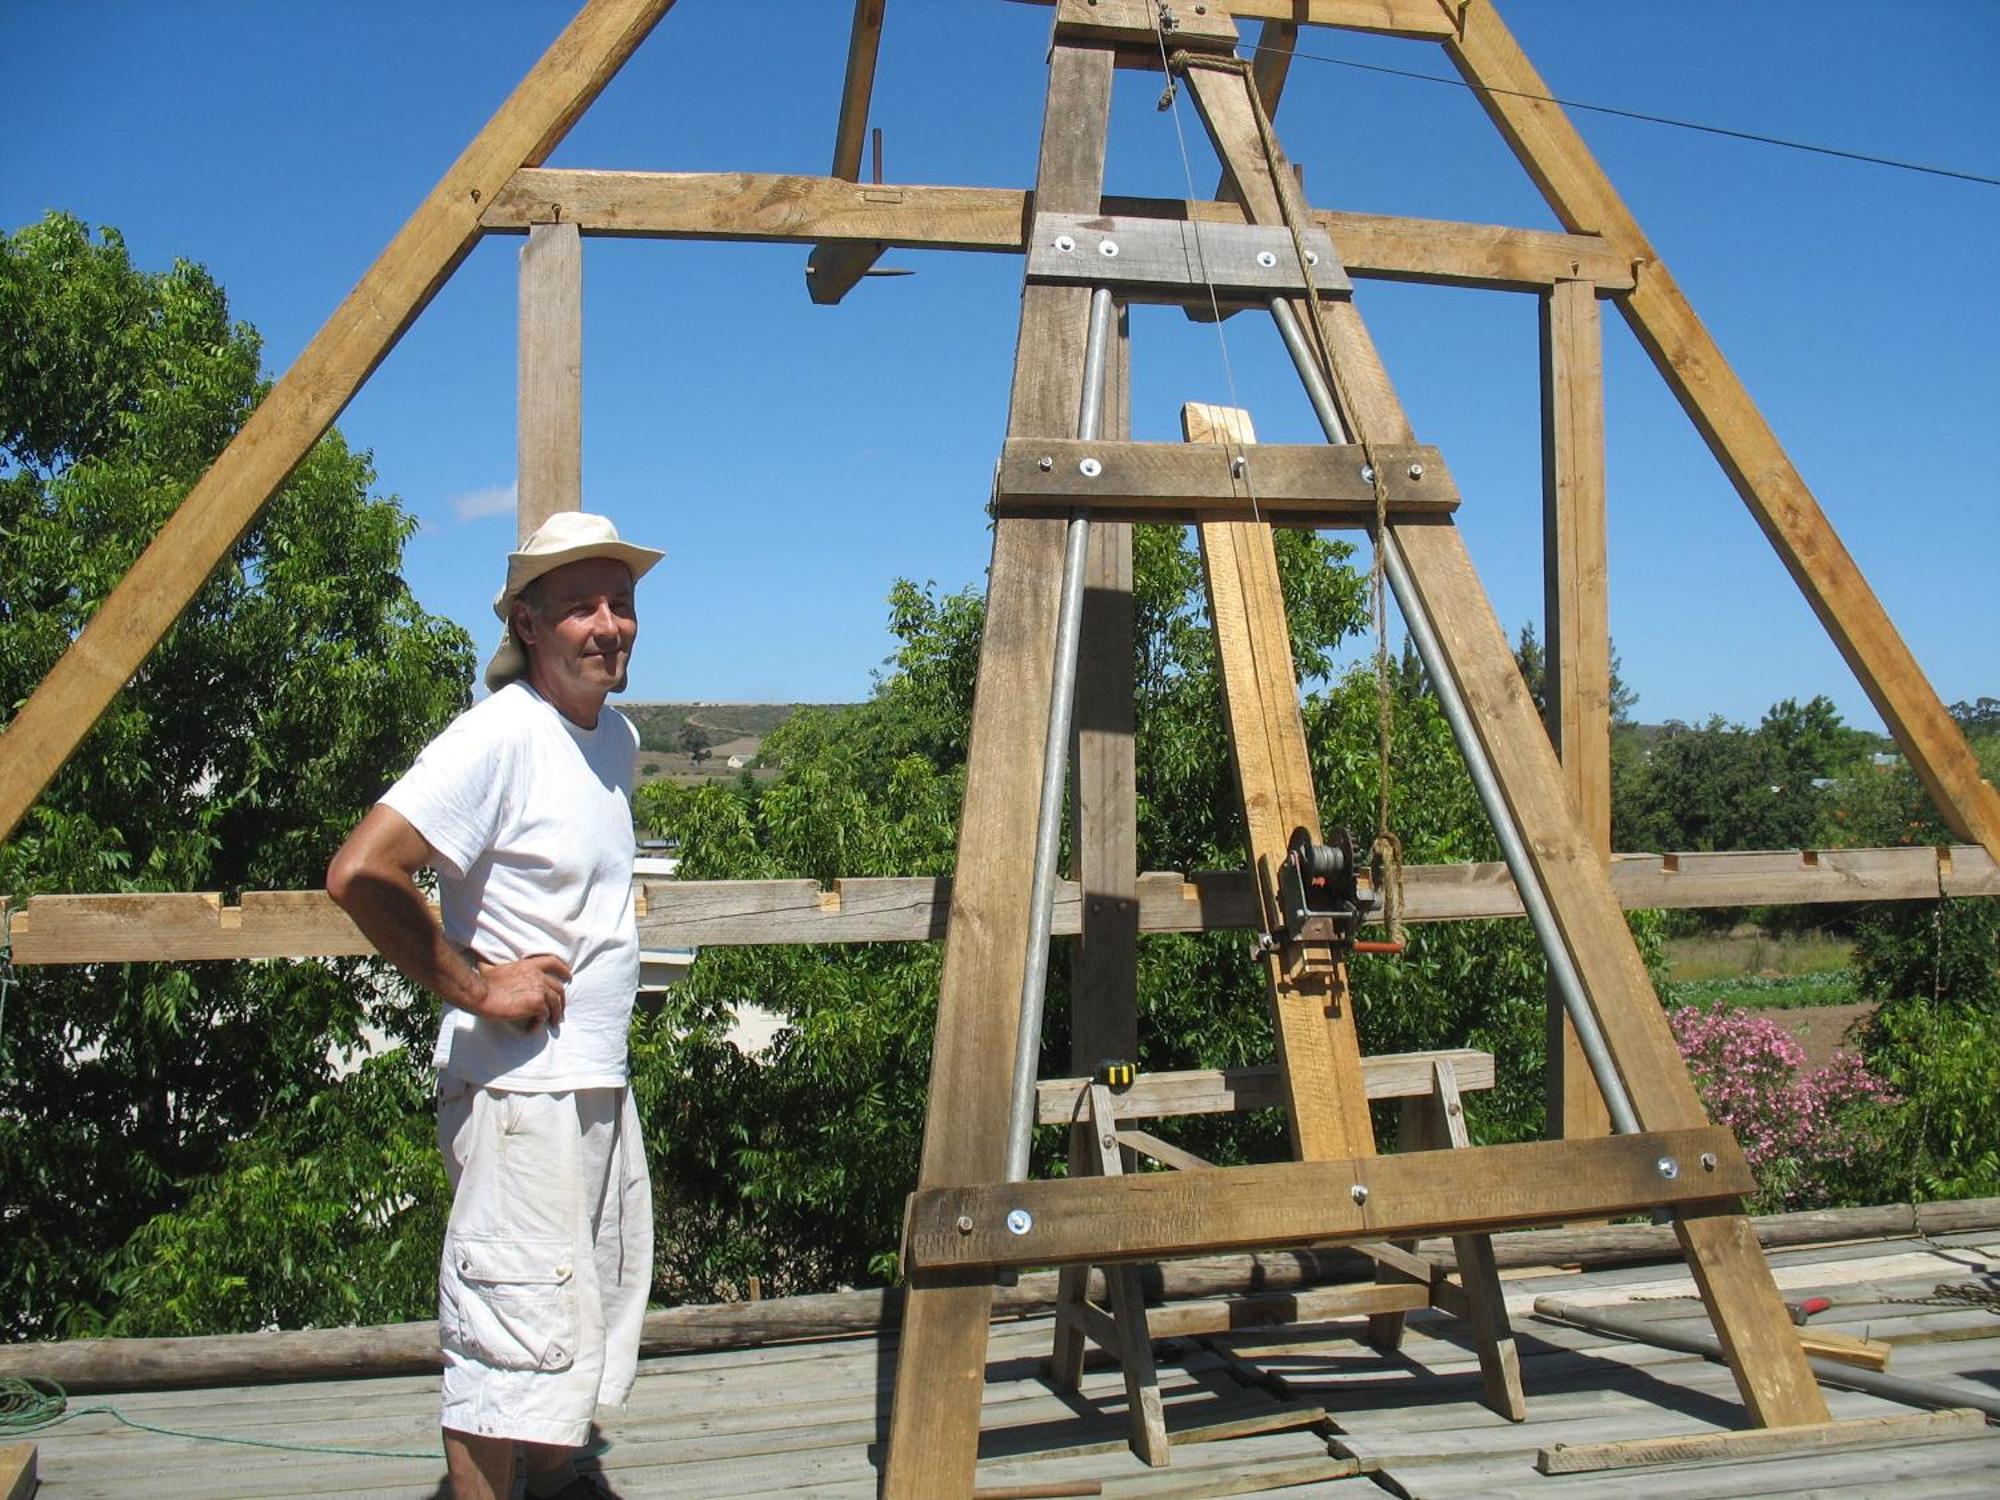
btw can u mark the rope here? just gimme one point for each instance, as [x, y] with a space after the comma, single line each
[1386, 851]
[1957, 1294]
[37, 1404]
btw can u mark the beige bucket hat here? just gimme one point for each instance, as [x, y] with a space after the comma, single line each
[567, 536]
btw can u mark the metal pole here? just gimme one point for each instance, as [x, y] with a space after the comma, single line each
[1562, 968]
[1055, 766]
[1830, 1372]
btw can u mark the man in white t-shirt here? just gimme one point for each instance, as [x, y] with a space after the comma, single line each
[523, 808]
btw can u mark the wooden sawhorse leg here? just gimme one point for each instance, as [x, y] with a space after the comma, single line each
[1120, 1330]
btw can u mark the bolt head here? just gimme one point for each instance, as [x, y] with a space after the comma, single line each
[1359, 1193]
[1710, 1161]
[1416, 471]
[965, 1223]
[1089, 468]
[1045, 463]
[1020, 1221]
[1107, 248]
[1266, 259]
[1065, 243]
[1668, 1168]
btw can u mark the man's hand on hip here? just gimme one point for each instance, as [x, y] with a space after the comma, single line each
[527, 991]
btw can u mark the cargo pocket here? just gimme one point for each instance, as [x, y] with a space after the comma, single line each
[508, 1303]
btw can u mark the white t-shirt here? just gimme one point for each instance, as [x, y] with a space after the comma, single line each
[531, 818]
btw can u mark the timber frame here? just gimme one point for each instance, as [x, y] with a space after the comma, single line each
[967, 1223]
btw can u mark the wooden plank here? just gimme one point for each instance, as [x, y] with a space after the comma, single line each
[1166, 1153]
[1846, 1348]
[1763, 1442]
[833, 268]
[1412, 18]
[1688, 359]
[1479, 1276]
[1318, 1305]
[307, 399]
[1577, 628]
[1104, 1006]
[1736, 1285]
[1131, 1340]
[802, 209]
[17, 1471]
[1319, 1051]
[1135, 24]
[1151, 1215]
[940, 1365]
[1277, 40]
[1148, 259]
[1203, 481]
[549, 431]
[129, 927]
[1208, 1091]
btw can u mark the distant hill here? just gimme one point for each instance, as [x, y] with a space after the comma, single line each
[732, 729]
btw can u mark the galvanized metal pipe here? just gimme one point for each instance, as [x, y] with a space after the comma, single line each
[1055, 765]
[1924, 1393]
[1562, 968]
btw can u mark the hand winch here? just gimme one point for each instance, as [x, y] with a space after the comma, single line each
[1320, 896]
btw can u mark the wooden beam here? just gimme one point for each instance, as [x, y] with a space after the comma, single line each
[17, 1472]
[1576, 696]
[1411, 18]
[789, 209]
[1688, 359]
[1212, 1091]
[940, 1363]
[1276, 42]
[1307, 482]
[1158, 1215]
[833, 268]
[1312, 1007]
[132, 927]
[549, 435]
[1762, 1442]
[307, 399]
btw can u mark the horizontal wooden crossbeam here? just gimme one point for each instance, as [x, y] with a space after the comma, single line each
[1411, 18]
[1212, 1091]
[1173, 259]
[1305, 484]
[1162, 1215]
[183, 926]
[804, 210]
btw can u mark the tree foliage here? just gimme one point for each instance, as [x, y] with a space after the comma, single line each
[269, 717]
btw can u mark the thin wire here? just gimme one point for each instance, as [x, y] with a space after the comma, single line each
[1172, 99]
[1634, 114]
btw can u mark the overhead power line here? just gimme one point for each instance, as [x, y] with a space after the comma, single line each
[1634, 114]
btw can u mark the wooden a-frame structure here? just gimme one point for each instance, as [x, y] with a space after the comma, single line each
[1067, 460]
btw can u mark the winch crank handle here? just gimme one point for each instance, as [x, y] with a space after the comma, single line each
[1393, 950]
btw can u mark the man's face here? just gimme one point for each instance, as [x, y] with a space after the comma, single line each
[578, 629]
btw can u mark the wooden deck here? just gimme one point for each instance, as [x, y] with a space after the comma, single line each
[1303, 1410]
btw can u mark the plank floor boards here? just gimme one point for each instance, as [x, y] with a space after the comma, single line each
[809, 1419]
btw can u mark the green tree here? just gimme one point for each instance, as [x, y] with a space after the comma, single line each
[694, 741]
[301, 677]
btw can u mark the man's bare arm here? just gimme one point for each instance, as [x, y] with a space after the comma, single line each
[373, 879]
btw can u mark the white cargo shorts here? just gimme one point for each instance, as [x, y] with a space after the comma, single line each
[547, 1259]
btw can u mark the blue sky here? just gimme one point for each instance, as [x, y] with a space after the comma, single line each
[795, 460]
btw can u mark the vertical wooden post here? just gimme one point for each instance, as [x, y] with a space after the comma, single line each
[941, 1358]
[1577, 680]
[549, 432]
[1104, 977]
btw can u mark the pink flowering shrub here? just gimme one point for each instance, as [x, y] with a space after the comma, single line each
[1807, 1136]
